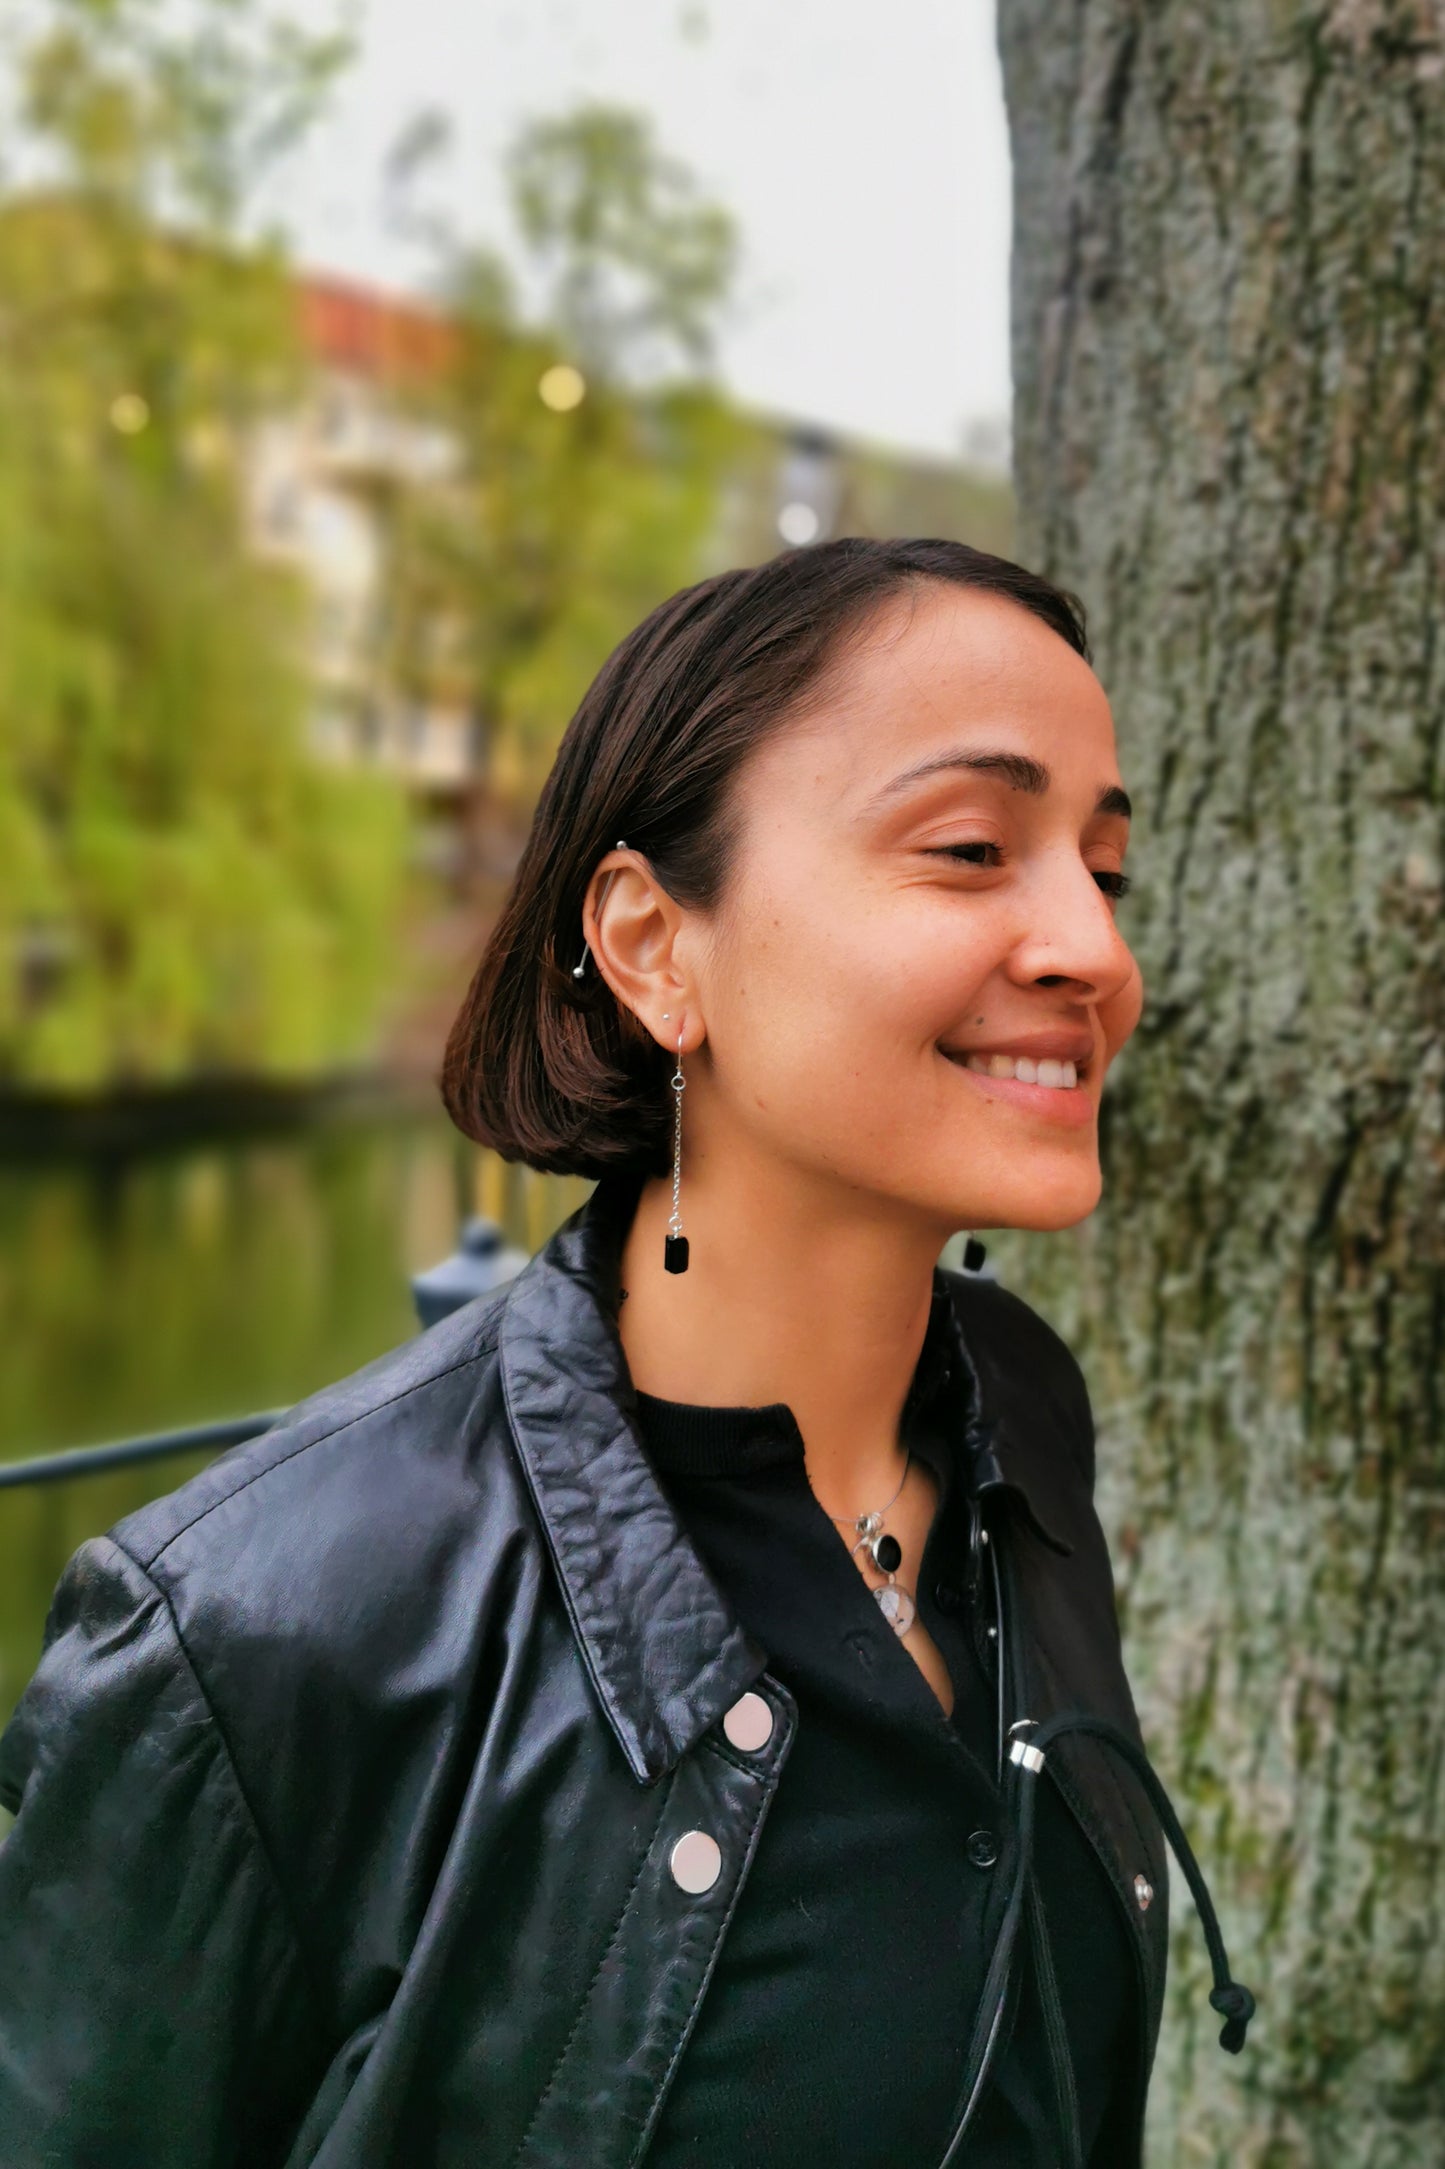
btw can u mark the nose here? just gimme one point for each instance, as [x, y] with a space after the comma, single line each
[1070, 937]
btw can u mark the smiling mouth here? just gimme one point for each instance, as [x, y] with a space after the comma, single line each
[1053, 1075]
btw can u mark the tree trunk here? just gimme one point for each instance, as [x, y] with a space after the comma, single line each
[1229, 361]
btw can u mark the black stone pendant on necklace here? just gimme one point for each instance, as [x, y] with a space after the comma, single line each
[893, 1600]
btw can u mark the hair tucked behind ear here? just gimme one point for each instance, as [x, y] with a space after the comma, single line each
[552, 1070]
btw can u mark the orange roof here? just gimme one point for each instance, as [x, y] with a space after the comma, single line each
[377, 335]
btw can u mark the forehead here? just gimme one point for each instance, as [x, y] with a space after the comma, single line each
[939, 669]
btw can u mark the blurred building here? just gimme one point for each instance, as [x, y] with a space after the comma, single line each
[324, 480]
[823, 485]
[322, 484]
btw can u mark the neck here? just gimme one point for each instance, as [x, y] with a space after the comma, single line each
[791, 1294]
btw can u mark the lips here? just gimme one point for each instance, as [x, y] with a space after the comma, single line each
[1041, 1073]
[1061, 1043]
[1053, 1075]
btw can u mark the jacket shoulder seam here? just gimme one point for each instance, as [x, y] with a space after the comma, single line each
[242, 1791]
[304, 1445]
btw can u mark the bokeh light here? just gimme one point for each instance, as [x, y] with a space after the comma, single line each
[562, 388]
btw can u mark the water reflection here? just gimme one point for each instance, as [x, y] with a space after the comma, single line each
[167, 1286]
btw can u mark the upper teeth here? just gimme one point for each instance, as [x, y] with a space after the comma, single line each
[1058, 1075]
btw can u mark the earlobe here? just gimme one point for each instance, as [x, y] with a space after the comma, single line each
[675, 1034]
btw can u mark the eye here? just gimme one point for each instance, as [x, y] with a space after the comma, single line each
[1113, 885]
[971, 854]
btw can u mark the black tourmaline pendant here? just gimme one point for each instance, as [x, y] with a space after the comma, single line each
[674, 1253]
[973, 1255]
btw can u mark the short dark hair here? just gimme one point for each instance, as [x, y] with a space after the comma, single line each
[552, 1070]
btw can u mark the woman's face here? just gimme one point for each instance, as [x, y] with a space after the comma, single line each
[913, 983]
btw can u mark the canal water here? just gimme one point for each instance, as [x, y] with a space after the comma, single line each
[161, 1286]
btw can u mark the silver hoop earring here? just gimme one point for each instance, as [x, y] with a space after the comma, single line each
[579, 969]
[674, 1248]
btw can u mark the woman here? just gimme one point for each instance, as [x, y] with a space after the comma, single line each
[613, 1726]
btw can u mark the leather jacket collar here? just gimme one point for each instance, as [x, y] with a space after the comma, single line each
[665, 1651]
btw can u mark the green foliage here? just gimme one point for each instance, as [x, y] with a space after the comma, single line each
[175, 108]
[641, 531]
[563, 528]
[182, 889]
[636, 256]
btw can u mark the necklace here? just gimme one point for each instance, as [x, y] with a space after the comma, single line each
[894, 1601]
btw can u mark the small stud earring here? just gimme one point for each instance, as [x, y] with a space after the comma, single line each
[674, 1248]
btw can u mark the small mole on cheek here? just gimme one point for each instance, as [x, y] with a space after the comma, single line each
[980, 1020]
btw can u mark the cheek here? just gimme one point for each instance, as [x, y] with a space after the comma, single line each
[839, 982]
[777, 989]
[787, 978]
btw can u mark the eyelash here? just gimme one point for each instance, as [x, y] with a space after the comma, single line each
[1114, 885]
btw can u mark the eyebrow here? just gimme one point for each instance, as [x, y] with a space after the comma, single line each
[1019, 770]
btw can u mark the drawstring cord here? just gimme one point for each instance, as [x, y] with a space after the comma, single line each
[1230, 1998]
[1060, 2061]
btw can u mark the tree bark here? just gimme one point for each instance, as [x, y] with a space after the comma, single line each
[1229, 361]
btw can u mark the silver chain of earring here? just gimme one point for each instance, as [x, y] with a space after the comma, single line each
[674, 1249]
[679, 1086]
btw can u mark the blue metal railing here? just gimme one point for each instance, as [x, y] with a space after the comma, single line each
[126, 1452]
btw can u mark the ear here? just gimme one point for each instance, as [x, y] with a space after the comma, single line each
[634, 930]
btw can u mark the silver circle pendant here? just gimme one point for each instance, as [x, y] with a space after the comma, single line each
[896, 1606]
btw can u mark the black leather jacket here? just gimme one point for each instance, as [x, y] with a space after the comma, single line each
[349, 1782]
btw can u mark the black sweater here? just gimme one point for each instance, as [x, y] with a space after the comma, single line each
[835, 2028]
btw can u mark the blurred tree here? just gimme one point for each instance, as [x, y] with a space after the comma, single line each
[182, 890]
[592, 451]
[636, 259]
[1229, 348]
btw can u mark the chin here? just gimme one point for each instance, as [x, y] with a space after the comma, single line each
[1043, 1208]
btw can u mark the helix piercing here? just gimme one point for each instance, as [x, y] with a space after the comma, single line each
[580, 967]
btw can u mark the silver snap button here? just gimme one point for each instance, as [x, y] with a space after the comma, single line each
[1143, 1891]
[695, 1861]
[749, 1723]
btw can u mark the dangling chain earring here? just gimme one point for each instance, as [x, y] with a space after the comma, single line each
[674, 1248]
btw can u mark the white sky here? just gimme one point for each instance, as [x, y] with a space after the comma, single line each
[862, 149]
